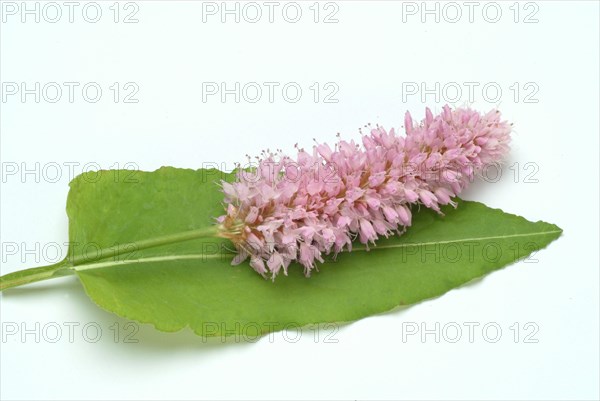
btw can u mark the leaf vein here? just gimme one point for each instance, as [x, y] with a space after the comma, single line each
[99, 265]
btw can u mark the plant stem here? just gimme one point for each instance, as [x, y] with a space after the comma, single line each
[34, 274]
[66, 267]
[144, 244]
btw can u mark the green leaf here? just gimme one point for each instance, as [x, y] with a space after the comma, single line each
[192, 284]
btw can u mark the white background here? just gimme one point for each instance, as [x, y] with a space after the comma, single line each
[373, 54]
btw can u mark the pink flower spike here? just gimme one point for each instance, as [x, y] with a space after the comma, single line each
[301, 210]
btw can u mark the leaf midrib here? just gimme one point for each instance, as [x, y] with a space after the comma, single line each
[99, 265]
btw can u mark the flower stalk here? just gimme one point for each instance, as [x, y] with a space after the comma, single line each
[69, 265]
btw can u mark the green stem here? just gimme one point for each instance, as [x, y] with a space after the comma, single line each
[65, 267]
[34, 274]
